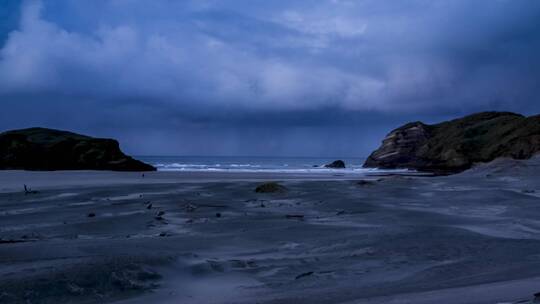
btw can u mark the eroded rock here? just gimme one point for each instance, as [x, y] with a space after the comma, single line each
[48, 149]
[271, 187]
[454, 146]
[338, 164]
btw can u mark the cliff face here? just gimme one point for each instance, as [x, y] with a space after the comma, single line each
[454, 146]
[401, 148]
[47, 149]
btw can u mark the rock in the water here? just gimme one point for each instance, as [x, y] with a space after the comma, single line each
[270, 187]
[338, 164]
[47, 149]
[456, 145]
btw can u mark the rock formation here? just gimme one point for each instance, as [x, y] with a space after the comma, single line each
[270, 187]
[338, 164]
[456, 145]
[47, 149]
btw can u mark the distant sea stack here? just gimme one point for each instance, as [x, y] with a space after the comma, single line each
[338, 164]
[47, 149]
[454, 146]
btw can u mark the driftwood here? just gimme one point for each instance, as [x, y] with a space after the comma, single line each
[212, 206]
[294, 216]
[27, 190]
[12, 241]
[303, 275]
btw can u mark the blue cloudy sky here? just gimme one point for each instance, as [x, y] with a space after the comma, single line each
[259, 77]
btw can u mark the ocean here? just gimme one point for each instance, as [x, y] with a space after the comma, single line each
[255, 164]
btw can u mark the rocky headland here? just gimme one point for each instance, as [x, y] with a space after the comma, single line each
[48, 149]
[456, 145]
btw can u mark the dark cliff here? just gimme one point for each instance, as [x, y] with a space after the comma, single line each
[47, 149]
[454, 146]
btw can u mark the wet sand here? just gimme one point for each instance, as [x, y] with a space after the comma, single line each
[104, 237]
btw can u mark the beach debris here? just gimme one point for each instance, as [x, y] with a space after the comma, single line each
[125, 281]
[164, 234]
[27, 190]
[159, 216]
[74, 288]
[257, 202]
[365, 183]
[270, 187]
[12, 241]
[295, 216]
[216, 265]
[242, 264]
[190, 207]
[218, 214]
[32, 236]
[340, 212]
[337, 164]
[133, 277]
[303, 275]
[212, 206]
[528, 191]
[149, 206]
[91, 214]
[238, 264]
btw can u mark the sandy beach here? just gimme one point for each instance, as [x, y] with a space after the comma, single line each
[173, 237]
[269, 152]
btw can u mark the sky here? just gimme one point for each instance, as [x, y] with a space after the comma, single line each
[259, 77]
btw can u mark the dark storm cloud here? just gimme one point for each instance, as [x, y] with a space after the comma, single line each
[9, 17]
[234, 76]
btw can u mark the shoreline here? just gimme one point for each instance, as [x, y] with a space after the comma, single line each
[13, 180]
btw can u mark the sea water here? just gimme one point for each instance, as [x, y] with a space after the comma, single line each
[256, 164]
